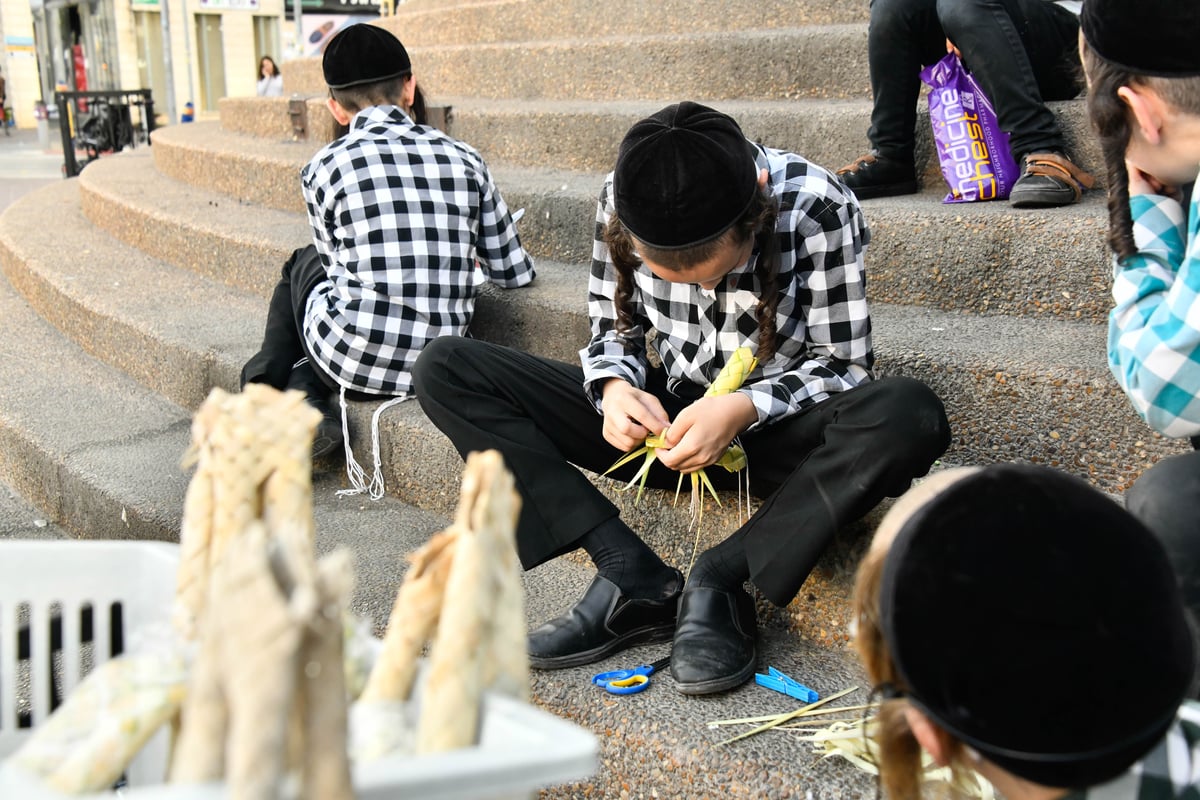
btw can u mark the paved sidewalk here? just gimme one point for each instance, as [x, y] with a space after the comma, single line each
[25, 165]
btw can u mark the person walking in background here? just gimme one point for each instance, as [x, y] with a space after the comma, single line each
[4, 105]
[1022, 52]
[270, 79]
[714, 244]
[1143, 68]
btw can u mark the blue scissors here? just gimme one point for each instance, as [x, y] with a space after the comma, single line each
[629, 681]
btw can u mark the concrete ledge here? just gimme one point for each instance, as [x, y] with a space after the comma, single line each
[270, 118]
[210, 233]
[424, 24]
[249, 169]
[584, 136]
[985, 257]
[817, 61]
[98, 454]
[1014, 388]
[171, 329]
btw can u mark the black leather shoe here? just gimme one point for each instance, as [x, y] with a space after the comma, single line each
[328, 437]
[713, 649]
[872, 175]
[603, 622]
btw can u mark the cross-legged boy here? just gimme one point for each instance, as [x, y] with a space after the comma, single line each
[714, 243]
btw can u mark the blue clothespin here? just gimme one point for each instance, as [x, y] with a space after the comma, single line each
[777, 681]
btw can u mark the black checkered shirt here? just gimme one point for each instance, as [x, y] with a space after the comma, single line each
[1171, 771]
[401, 213]
[823, 344]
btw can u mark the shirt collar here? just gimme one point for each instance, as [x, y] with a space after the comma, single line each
[374, 115]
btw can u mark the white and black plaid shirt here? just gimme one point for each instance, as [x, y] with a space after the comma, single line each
[1171, 771]
[823, 342]
[400, 214]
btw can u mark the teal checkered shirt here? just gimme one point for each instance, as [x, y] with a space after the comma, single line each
[1154, 330]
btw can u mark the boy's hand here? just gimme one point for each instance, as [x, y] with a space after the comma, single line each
[702, 431]
[1145, 183]
[950, 48]
[630, 415]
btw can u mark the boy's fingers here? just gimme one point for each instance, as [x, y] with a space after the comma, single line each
[649, 413]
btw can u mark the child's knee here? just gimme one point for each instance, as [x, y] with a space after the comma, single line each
[431, 369]
[915, 413]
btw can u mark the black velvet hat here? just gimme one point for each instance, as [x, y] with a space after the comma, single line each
[362, 54]
[683, 176]
[1147, 37]
[1038, 622]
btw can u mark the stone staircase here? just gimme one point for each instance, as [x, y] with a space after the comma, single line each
[134, 289]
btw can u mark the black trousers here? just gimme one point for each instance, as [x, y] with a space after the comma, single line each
[1022, 52]
[818, 470]
[1167, 498]
[283, 341]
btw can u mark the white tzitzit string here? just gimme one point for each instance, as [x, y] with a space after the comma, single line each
[354, 472]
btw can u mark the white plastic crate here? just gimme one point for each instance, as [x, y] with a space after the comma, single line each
[521, 747]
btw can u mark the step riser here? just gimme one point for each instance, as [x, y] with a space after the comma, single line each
[208, 252]
[827, 134]
[1042, 263]
[68, 496]
[183, 375]
[1001, 265]
[586, 139]
[420, 25]
[250, 180]
[1001, 409]
[817, 62]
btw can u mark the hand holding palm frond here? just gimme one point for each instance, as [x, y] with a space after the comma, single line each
[730, 379]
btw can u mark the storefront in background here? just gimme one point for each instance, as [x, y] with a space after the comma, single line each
[320, 20]
[76, 47]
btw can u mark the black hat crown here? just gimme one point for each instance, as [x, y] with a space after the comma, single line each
[362, 54]
[1146, 37]
[683, 176]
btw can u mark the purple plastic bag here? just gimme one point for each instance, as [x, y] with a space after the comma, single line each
[976, 160]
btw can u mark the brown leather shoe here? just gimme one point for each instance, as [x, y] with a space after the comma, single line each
[1049, 180]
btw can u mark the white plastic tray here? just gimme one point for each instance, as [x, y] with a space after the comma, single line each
[522, 747]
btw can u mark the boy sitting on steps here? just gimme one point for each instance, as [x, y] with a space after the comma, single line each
[401, 216]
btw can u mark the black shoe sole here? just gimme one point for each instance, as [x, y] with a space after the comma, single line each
[655, 635]
[885, 190]
[1042, 200]
[722, 684]
[324, 447]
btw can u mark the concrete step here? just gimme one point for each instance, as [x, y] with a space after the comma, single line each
[764, 63]
[424, 24]
[141, 315]
[1070, 412]
[1015, 388]
[20, 520]
[255, 172]
[982, 257]
[97, 453]
[584, 136]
